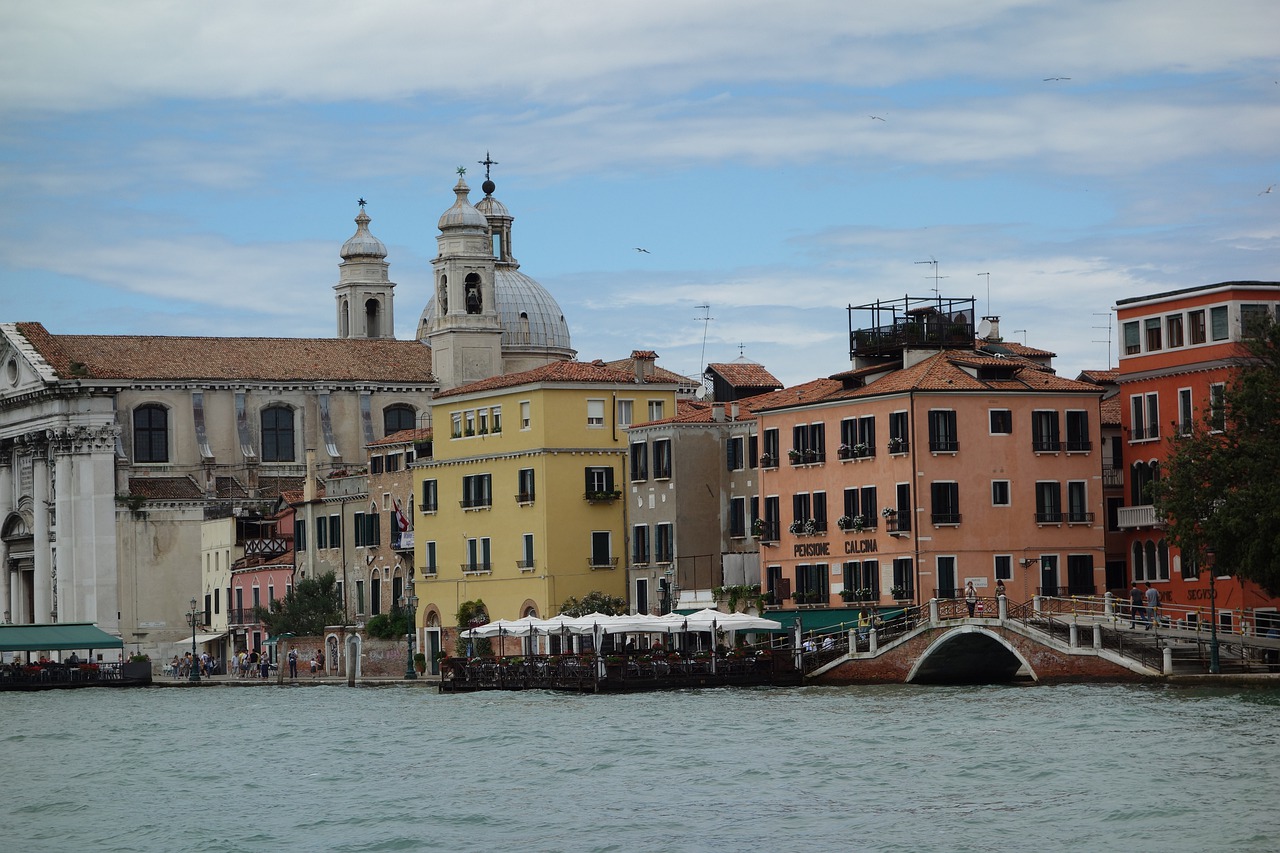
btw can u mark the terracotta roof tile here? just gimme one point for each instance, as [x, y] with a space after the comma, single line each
[1109, 376]
[745, 374]
[230, 487]
[404, 436]
[166, 488]
[659, 374]
[557, 371]
[273, 359]
[1110, 414]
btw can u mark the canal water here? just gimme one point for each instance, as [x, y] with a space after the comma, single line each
[893, 768]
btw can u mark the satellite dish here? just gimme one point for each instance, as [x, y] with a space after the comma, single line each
[984, 328]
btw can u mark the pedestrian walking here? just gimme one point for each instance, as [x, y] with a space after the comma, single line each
[264, 664]
[1153, 605]
[1136, 608]
[970, 598]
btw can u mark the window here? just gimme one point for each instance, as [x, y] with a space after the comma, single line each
[867, 435]
[1048, 503]
[735, 453]
[946, 502]
[526, 563]
[999, 492]
[737, 517]
[904, 582]
[812, 581]
[1132, 339]
[598, 481]
[1004, 567]
[456, 418]
[639, 462]
[375, 595]
[769, 458]
[1252, 319]
[870, 509]
[860, 576]
[899, 438]
[524, 486]
[524, 415]
[299, 534]
[1078, 503]
[1001, 421]
[397, 418]
[335, 531]
[640, 545]
[942, 431]
[800, 510]
[625, 408]
[1217, 407]
[1186, 420]
[429, 556]
[1196, 328]
[495, 419]
[601, 549]
[819, 504]
[1146, 416]
[367, 528]
[772, 519]
[1218, 323]
[1141, 477]
[478, 555]
[753, 450]
[663, 550]
[359, 597]
[1078, 431]
[901, 519]
[808, 443]
[477, 491]
[1044, 432]
[662, 459]
[851, 502]
[277, 434]
[1173, 326]
[150, 434]
[947, 577]
[375, 464]
[322, 534]
[655, 410]
[1153, 334]
[430, 496]
[595, 414]
[849, 431]
[393, 461]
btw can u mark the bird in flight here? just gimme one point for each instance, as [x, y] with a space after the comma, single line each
[1267, 190]
[1050, 79]
[646, 251]
[877, 118]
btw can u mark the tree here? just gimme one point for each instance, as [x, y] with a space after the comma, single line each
[470, 615]
[306, 609]
[594, 602]
[1219, 491]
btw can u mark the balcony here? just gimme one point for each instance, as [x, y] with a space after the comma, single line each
[944, 445]
[1075, 517]
[265, 547]
[476, 503]
[602, 497]
[598, 562]
[524, 498]
[899, 445]
[944, 519]
[897, 524]
[477, 568]
[1046, 445]
[1050, 516]
[1132, 517]
[1139, 433]
[525, 565]
[806, 457]
[1112, 478]
[402, 541]
[1079, 445]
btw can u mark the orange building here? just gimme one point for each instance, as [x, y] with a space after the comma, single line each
[1178, 353]
[937, 460]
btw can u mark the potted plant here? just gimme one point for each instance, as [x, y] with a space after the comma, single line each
[420, 662]
[860, 449]
[794, 455]
[767, 460]
[896, 444]
[757, 527]
[796, 527]
[849, 594]
[898, 592]
[843, 451]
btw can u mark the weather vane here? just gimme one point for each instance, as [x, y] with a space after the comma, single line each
[487, 162]
[361, 202]
[462, 170]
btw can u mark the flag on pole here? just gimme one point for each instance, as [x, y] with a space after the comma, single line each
[402, 521]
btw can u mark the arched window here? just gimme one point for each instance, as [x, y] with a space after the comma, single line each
[524, 328]
[277, 434]
[150, 434]
[344, 319]
[444, 296]
[1162, 555]
[372, 319]
[1138, 572]
[396, 418]
[474, 301]
[1150, 559]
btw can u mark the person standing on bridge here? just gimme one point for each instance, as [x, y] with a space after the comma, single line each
[1136, 609]
[970, 597]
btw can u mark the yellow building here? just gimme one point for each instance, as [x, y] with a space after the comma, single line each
[524, 502]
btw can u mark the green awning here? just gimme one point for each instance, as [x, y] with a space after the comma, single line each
[60, 636]
[828, 619]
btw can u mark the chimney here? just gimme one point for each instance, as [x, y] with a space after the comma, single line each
[643, 359]
[993, 329]
[717, 412]
[733, 412]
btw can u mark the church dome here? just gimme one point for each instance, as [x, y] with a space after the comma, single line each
[531, 318]
[363, 244]
[490, 206]
[463, 214]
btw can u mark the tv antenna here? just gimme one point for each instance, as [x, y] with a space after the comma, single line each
[934, 261]
[706, 319]
[1108, 340]
[1024, 335]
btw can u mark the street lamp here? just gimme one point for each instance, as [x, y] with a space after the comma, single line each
[193, 616]
[410, 604]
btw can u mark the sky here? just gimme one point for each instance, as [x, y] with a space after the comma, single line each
[193, 169]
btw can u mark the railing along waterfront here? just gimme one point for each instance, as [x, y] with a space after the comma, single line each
[17, 675]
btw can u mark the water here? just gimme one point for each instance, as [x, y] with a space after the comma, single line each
[894, 768]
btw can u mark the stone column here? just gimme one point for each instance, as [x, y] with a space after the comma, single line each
[42, 559]
[6, 507]
[1002, 607]
[1097, 635]
[64, 518]
[933, 611]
